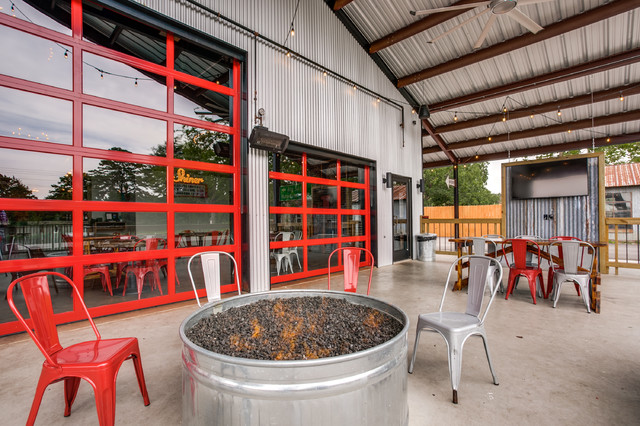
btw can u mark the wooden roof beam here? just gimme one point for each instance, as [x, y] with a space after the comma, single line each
[441, 143]
[587, 18]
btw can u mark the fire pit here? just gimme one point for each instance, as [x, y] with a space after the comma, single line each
[364, 387]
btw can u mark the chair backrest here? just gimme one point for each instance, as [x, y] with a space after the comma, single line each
[210, 261]
[556, 249]
[527, 237]
[519, 249]
[480, 268]
[479, 246]
[573, 255]
[223, 238]
[35, 288]
[351, 263]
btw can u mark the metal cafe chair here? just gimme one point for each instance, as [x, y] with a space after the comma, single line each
[480, 248]
[556, 250]
[140, 269]
[576, 268]
[520, 267]
[351, 262]
[210, 261]
[96, 361]
[282, 256]
[457, 327]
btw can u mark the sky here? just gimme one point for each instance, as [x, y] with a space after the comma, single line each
[494, 182]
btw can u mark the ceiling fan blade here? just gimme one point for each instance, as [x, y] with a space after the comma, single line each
[485, 31]
[466, 21]
[449, 8]
[526, 2]
[524, 20]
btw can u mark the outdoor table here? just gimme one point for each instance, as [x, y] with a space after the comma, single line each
[200, 235]
[595, 274]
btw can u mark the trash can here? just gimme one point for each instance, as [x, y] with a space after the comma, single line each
[426, 247]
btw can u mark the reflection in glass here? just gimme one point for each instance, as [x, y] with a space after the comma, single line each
[318, 256]
[285, 193]
[286, 222]
[203, 63]
[33, 234]
[195, 102]
[352, 225]
[114, 80]
[226, 273]
[202, 187]
[352, 198]
[26, 115]
[35, 59]
[322, 196]
[203, 229]
[197, 144]
[21, 10]
[322, 226]
[322, 168]
[108, 180]
[33, 175]
[107, 129]
[127, 227]
[286, 163]
[351, 172]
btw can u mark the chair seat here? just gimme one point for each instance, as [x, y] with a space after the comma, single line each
[94, 352]
[456, 322]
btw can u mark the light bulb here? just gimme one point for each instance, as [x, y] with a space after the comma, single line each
[136, 83]
[455, 117]
[324, 73]
[559, 112]
[293, 31]
[66, 54]
[621, 97]
[489, 137]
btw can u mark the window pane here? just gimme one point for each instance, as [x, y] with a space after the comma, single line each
[33, 234]
[136, 225]
[35, 59]
[108, 129]
[351, 172]
[322, 196]
[286, 163]
[114, 80]
[203, 229]
[285, 193]
[21, 10]
[318, 258]
[352, 225]
[286, 222]
[194, 102]
[202, 187]
[197, 144]
[352, 198]
[203, 63]
[322, 226]
[107, 180]
[33, 175]
[321, 168]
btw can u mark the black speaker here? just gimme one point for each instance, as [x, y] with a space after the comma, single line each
[388, 180]
[423, 112]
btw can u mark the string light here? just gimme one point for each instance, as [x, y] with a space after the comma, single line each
[136, 83]
[504, 118]
[355, 87]
[504, 109]
[293, 31]
[288, 54]
[413, 111]
[455, 116]
[531, 115]
[621, 97]
[101, 75]
[489, 138]
[569, 131]
[608, 140]
[324, 73]
[66, 53]
[559, 112]
[378, 100]
[13, 7]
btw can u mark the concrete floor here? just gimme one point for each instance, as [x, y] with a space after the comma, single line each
[555, 366]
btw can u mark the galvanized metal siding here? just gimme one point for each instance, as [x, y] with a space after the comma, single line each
[574, 216]
[299, 101]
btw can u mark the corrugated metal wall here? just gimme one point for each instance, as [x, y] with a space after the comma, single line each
[309, 107]
[574, 216]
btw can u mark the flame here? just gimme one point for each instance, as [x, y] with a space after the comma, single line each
[257, 328]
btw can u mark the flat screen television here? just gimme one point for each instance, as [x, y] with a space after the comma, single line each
[564, 178]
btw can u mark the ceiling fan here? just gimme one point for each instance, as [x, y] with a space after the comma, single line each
[495, 8]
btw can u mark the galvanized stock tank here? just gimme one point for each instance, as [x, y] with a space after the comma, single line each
[362, 388]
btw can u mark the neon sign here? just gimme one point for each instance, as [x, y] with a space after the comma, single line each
[184, 177]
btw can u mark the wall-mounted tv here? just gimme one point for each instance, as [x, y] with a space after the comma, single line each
[564, 178]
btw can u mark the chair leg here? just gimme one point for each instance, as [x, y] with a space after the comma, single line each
[71, 385]
[455, 364]
[585, 297]
[557, 285]
[104, 389]
[140, 376]
[43, 382]
[486, 349]
[415, 349]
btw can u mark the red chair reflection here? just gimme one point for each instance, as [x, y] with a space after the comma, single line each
[140, 269]
[519, 266]
[556, 265]
[351, 263]
[96, 361]
[103, 270]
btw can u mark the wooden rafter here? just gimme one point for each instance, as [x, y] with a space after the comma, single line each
[594, 15]
[339, 4]
[441, 143]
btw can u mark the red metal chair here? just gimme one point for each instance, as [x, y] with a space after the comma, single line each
[103, 270]
[519, 266]
[140, 269]
[96, 361]
[555, 265]
[351, 263]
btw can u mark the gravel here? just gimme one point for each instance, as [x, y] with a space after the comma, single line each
[294, 328]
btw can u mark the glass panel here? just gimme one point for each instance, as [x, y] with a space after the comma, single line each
[352, 225]
[195, 102]
[127, 227]
[33, 234]
[203, 229]
[21, 10]
[29, 116]
[286, 222]
[322, 226]
[104, 128]
[227, 274]
[351, 172]
[352, 198]
[35, 59]
[322, 196]
[107, 180]
[322, 168]
[196, 144]
[25, 174]
[286, 163]
[117, 32]
[202, 187]
[114, 80]
[318, 256]
[285, 193]
[203, 63]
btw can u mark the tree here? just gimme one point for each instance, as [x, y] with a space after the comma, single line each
[613, 154]
[61, 190]
[12, 187]
[472, 179]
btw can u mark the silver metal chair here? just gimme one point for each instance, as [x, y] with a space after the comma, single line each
[210, 261]
[578, 258]
[480, 248]
[457, 327]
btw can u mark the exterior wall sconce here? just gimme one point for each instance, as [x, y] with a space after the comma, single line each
[262, 138]
[420, 185]
[388, 181]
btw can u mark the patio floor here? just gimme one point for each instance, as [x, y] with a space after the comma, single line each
[555, 366]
